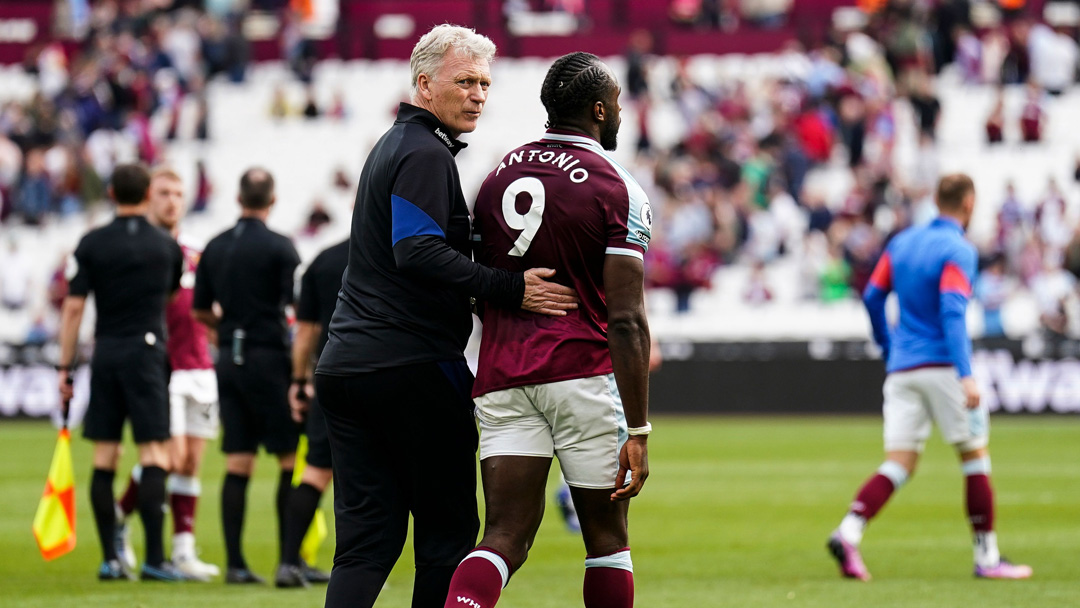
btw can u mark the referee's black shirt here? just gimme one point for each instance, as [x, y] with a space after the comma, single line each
[405, 295]
[319, 289]
[248, 270]
[132, 268]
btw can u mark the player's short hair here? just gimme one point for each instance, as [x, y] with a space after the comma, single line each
[952, 189]
[573, 84]
[256, 188]
[427, 56]
[130, 183]
[165, 172]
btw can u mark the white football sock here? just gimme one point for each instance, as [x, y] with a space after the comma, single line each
[851, 528]
[986, 550]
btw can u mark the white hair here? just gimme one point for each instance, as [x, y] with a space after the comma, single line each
[427, 55]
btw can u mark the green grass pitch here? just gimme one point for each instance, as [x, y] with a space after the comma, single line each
[736, 513]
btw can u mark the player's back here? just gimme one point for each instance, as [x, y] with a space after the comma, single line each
[558, 203]
[131, 267]
[925, 261]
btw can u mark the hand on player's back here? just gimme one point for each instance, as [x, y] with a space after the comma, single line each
[547, 298]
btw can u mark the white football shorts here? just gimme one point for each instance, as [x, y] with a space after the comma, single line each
[193, 403]
[581, 421]
[915, 398]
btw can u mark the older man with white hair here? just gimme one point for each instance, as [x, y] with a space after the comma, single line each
[392, 379]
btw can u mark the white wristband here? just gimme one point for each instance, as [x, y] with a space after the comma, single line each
[640, 430]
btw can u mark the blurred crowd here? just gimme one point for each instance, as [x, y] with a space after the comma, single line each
[135, 79]
[741, 186]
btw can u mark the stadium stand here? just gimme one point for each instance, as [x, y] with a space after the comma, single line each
[745, 260]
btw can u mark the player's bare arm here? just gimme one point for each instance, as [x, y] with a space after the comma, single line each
[301, 389]
[547, 298]
[71, 315]
[629, 342]
[207, 317]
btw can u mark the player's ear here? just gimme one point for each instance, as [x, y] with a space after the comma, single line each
[423, 86]
[599, 111]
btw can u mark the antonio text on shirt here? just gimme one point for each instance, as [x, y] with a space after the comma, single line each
[562, 203]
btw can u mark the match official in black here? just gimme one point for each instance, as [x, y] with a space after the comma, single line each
[392, 379]
[318, 297]
[132, 269]
[248, 272]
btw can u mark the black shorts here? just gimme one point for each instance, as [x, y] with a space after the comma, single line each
[128, 379]
[255, 402]
[318, 441]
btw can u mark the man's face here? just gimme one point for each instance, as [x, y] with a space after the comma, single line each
[166, 202]
[609, 131]
[457, 92]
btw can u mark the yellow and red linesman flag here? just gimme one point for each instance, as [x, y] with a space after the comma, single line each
[54, 522]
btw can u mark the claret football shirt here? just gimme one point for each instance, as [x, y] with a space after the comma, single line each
[560, 202]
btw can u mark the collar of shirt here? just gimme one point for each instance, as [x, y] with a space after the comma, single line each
[410, 113]
[948, 221]
[570, 137]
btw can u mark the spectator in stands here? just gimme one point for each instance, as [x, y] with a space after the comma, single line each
[992, 290]
[926, 106]
[834, 278]
[1032, 116]
[203, 188]
[766, 14]
[311, 109]
[968, 55]
[637, 82]
[1054, 291]
[1053, 58]
[14, 278]
[757, 287]
[995, 123]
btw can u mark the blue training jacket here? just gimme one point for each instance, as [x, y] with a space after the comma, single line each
[931, 268]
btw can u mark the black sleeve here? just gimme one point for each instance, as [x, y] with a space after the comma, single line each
[203, 298]
[289, 261]
[308, 307]
[177, 266]
[77, 270]
[421, 196]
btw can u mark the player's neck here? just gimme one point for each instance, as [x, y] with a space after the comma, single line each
[132, 210]
[255, 214]
[592, 131]
[956, 217]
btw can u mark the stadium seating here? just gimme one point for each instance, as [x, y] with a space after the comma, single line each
[304, 154]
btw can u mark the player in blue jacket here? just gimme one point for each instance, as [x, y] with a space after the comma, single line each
[931, 269]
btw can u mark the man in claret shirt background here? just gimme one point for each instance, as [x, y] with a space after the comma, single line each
[931, 269]
[575, 387]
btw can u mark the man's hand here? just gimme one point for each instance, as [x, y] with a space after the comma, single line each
[633, 458]
[547, 298]
[66, 387]
[971, 392]
[299, 398]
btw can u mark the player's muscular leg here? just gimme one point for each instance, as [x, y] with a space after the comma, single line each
[106, 455]
[192, 461]
[154, 454]
[603, 521]
[240, 463]
[178, 454]
[514, 495]
[908, 459]
[974, 454]
[317, 477]
[287, 461]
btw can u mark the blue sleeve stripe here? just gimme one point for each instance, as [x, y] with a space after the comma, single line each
[409, 220]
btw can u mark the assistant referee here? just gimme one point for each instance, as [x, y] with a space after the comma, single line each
[132, 269]
[392, 379]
